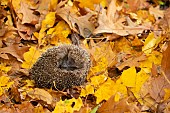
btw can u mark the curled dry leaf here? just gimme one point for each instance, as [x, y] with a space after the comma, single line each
[166, 61]
[111, 106]
[41, 94]
[109, 25]
[85, 27]
[28, 14]
[15, 50]
[134, 61]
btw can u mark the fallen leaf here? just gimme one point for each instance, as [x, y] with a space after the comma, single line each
[165, 61]
[105, 91]
[134, 61]
[28, 14]
[4, 84]
[157, 86]
[100, 67]
[128, 77]
[59, 33]
[31, 57]
[118, 107]
[167, 94]
[85, 27]
[4, 68]
[39, 109]
[47, 23]
[87, 90]
[90, 3]
[15, 50]
[25, 107]
[66, 106]
[108, 25]
[154, 58]
[151, 43]
[98, 80]
[40, 94]
[156, 12]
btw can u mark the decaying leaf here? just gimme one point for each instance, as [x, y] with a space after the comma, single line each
[28, 14]
[132, 62]
[109, 24]
[118, 107]
[165, 61]
[40, 94]
[15, 50]
[73, 20]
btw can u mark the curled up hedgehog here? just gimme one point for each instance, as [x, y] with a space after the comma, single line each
[61, 67]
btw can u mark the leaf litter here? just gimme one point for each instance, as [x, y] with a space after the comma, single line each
[130, 38]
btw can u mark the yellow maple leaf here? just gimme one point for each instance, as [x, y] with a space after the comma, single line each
[105, 91]
[128, 77]
[66, 106]
[121, 91]
[53, 4]
[38, 109]
[59, 33]
[4, 68]
[47, 23]
[88, 90]
[141, 78]
[100, 67]
[90, 3]
[155, 57]
[150, 43]
[30, 57]
[167, 94]
[4, 84]
[97, 80]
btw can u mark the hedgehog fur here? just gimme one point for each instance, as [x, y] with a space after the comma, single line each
[61, 67]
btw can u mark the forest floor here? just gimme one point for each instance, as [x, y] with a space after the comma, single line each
[128, 42]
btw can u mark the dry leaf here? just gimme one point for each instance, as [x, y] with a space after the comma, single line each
[165, 61]
[134, 61]
[28, 14]
[157, 86]
[73, 20]
[40, 94]
[108, 25]
[118, 107]
[15, 50]
[25, 107]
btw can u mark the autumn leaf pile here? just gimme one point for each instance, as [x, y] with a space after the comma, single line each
[127, 41]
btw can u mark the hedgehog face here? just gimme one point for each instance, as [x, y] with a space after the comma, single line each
[69, 63]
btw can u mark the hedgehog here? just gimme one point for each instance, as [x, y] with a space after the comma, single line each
[61, 67]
